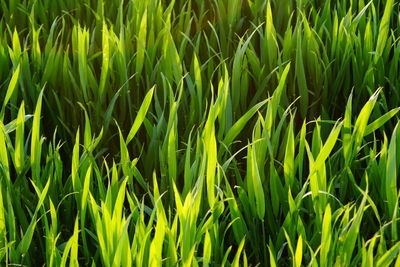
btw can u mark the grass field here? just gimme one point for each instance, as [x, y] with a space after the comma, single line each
[199, 133]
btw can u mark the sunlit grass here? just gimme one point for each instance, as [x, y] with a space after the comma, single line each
[199, 133]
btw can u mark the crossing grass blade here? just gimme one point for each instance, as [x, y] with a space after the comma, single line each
[389, 256]
[241, 123]
[327, 148]
[140, 115]
[25, 243]
[362, 121]
[378, 123]
[10, 90]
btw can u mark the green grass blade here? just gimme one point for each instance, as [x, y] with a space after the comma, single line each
[140, 115]
[36, 145]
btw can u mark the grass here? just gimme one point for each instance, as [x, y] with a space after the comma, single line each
[213, 133]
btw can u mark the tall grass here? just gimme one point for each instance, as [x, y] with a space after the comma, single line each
[215, 133]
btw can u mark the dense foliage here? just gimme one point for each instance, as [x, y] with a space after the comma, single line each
[199, 132]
